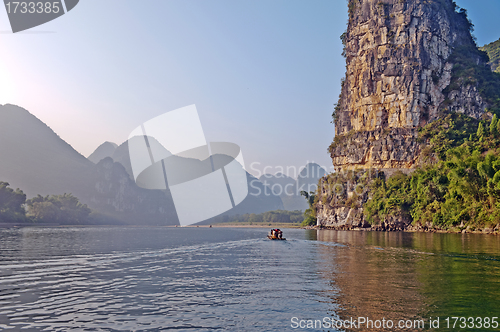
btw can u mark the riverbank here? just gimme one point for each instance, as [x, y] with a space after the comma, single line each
[221, 225]
[259, 225]
[414, 229]
[17, 225]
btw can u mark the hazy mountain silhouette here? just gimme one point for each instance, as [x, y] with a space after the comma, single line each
[121, 155]
[309, 176]
[104, 150]
[279, 178]
[36, 160]
[289, 189]
[286, 188]
[257, 201]
[118, 195]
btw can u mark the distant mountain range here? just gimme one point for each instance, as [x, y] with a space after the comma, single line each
[281, 185]
[38, 161]
[257, 201]
[104, 150]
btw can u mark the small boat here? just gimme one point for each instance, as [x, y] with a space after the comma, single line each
[275, 238]
[276, 234]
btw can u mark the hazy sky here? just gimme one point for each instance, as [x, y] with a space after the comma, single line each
[264, 74]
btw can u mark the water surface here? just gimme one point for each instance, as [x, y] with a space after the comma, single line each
[234, 279]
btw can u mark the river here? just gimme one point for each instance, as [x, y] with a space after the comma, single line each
[235, 279]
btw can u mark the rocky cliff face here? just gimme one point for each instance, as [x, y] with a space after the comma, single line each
[341, 197]
[400, 57]
[408, 63]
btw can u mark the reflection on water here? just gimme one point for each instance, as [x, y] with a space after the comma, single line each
[153, 279]
[372, 279]
[408, 276]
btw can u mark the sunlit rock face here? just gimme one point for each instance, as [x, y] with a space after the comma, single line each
[398, 78]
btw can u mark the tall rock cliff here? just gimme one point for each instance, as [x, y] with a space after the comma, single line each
[408, 63]
[403, 70]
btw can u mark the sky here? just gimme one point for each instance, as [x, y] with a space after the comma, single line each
[264, 74]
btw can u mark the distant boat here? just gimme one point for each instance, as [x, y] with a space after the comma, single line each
[276, 234]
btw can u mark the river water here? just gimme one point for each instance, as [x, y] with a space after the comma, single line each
[234, 279]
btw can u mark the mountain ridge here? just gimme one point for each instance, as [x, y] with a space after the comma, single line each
[38, 161]
[104, 150]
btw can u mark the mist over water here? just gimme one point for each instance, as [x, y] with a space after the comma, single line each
[234, 279]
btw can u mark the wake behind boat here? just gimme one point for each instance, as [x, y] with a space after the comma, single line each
[275, 234]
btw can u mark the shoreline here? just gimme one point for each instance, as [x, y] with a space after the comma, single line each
[486, 231]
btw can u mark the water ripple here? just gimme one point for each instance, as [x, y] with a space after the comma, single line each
[230, 285]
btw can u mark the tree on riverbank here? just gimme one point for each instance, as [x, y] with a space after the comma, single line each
[11, 204]
[309, 214]
[58, 208]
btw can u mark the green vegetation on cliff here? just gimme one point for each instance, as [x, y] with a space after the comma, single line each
[461, 188]
[446, 133]
[493, 50]
[468, 69]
